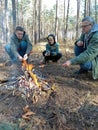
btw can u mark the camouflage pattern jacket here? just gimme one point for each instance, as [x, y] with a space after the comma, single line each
[91, 52]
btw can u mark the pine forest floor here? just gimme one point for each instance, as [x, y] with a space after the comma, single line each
[70, 104]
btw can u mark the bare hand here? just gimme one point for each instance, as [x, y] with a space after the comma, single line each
[47, 54]
[25, 57]
[79, 43]
[67, 63]
[20, 58]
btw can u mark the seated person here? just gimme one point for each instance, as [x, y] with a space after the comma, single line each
[20, 45]
[52, 50]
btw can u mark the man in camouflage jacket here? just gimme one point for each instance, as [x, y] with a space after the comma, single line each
[86, 48]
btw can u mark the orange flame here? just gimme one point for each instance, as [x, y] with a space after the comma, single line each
[29, 68]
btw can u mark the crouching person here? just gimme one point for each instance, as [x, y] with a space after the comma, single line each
[20, 45]
[86, 49]
[52, 50]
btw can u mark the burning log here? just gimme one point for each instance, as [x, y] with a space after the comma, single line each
[29, 68]
[30, 84]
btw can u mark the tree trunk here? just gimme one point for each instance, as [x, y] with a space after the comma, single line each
[6, 21]
[64, 24]
[67, 17]
[14, 14]
[87, 8]
[17, 12]
[2, 20]
[35, 22]
[96, 12]
[77, 24]
[39, 19]
[56, 21]
[84, 8]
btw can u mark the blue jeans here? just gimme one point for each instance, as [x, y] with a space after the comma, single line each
[21, 50]
[87, 65]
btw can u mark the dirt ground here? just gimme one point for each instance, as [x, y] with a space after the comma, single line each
[71, 103]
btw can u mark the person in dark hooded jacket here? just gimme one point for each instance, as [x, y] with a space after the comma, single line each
[86, 48]
[20, 46]
[52, 50]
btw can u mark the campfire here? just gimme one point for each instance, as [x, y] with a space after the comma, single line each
[30, 83]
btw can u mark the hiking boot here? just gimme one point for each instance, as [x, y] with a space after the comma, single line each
[81, 71]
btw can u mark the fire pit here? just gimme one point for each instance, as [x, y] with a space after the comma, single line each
[31, 84]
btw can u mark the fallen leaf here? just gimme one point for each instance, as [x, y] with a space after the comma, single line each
[26, 108]
[26, 118]
[29, 113]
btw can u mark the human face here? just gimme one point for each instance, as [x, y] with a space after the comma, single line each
[86, 26]
[19, 34]
[51, 40]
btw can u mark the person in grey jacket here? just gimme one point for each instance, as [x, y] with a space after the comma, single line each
[86, 48]
[20, 46]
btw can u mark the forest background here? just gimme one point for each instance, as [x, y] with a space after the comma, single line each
[72, 100]
[61, 17]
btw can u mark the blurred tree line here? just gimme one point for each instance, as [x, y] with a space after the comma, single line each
[39, 22]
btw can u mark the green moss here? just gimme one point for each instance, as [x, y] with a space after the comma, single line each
[8, 126]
